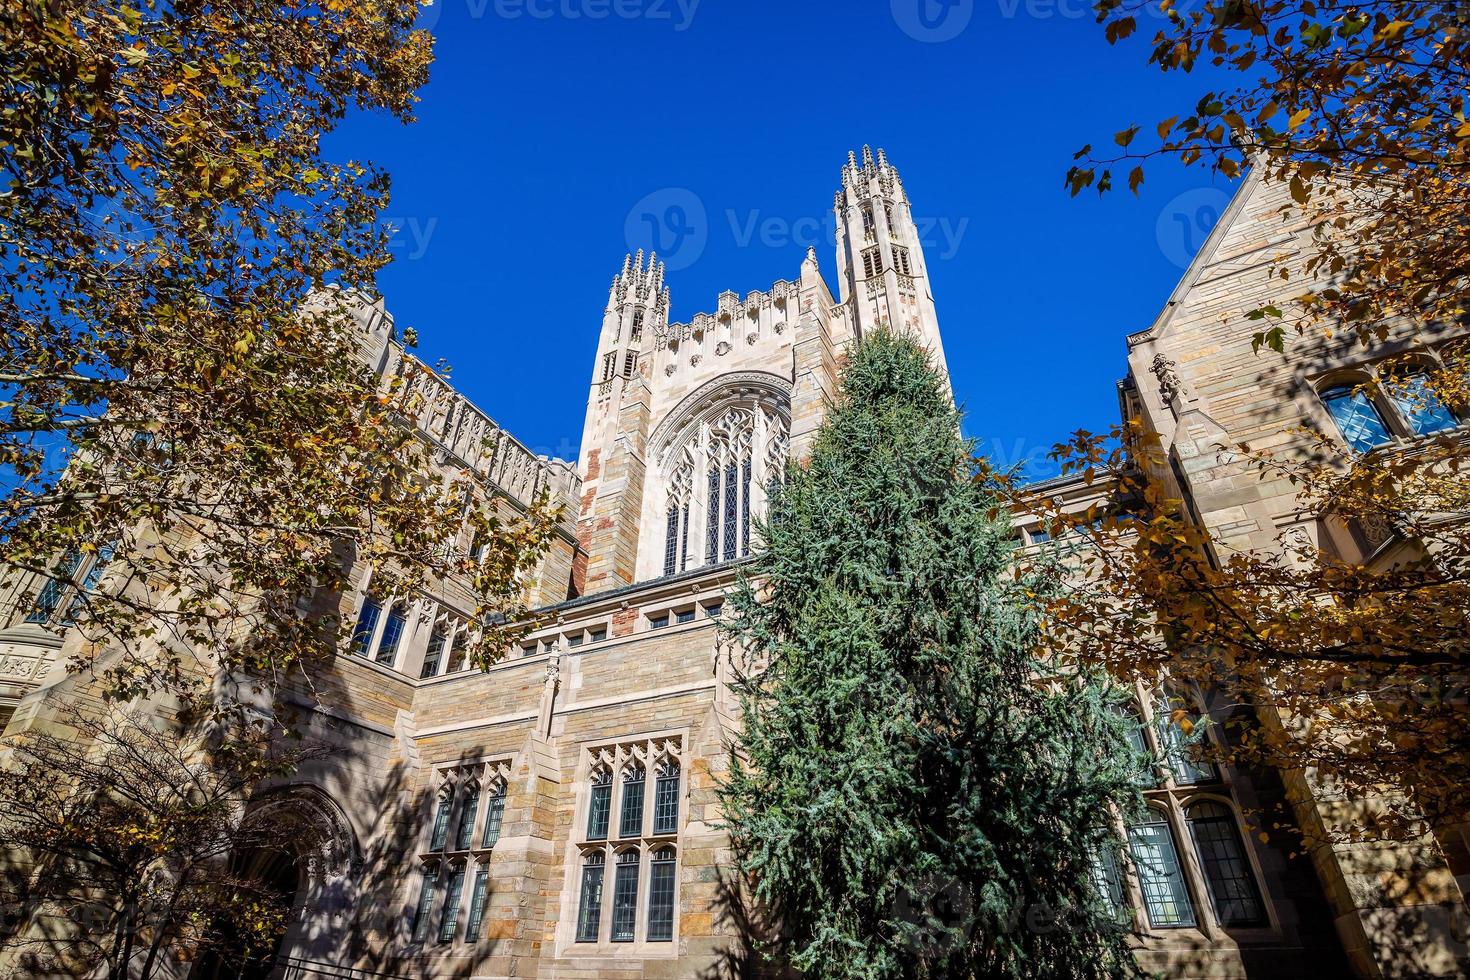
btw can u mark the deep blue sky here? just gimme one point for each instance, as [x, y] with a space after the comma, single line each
[539, 134]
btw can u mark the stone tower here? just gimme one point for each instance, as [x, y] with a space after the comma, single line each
[617, 425]
[882, 277]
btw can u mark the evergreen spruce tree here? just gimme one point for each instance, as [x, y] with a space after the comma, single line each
[907, 798]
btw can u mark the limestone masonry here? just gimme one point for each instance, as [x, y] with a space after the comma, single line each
[556, 817]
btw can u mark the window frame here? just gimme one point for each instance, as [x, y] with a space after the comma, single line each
[1376, 387]
[621, 904]
[1171, 799]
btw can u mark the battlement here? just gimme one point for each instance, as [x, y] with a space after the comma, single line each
[728, 308]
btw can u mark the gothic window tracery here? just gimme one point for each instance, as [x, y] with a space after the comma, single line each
[732, 454]
[633, 875]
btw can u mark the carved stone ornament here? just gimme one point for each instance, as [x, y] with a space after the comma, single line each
[1170, 384]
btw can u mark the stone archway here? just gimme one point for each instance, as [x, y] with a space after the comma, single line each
[308, 866]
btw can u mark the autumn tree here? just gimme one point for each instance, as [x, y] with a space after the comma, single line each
[1345, 659]
[1359, 107]
[122, 838]
[183, 393]
[907, 796]
[1342, 654]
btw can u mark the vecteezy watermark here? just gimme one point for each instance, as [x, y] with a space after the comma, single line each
[674, 223]
[932, 21]
[408, 237]
[678, 13]
[671, 221]
[940, 237]
[1186, 221]
[1085, 9]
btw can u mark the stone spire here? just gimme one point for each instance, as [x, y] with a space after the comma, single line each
[882, 274]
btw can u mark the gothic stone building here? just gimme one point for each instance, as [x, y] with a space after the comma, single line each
[556, 816]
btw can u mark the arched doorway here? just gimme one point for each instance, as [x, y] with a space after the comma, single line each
[305, 846]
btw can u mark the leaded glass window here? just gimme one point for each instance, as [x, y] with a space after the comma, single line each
[425, 905]
[661, 896]
[435, 652]
[599, 805]
[477, 904]
[48, 600]
[1233, 890]
[367, 623]
[1165, 896]
[666, 798]
[89, 582]
[494, 817]
[625, 897]
[467, 813]
[1181, 753]
[1357, 418]
[1107, 878]
[671, 544]
[441, 821]
[630, 817]
[745, 507]
[449, 920]
[392, 635]
[732, 506]
[589, 904]
[1420, 406]
[712, 528]
[684, 538]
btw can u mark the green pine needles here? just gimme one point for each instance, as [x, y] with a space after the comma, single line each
[908, 798]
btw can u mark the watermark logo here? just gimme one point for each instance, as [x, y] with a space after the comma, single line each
[678, 13]
[672, 222]
[408, 238]
[1186, 221]
[932, 21]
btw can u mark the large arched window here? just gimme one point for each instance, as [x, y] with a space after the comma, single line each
[717, 456]
[1233, 890]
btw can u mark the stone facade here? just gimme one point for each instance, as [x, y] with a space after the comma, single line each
[470, 818]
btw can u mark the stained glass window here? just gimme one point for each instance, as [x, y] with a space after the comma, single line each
[1356, 416]
[661, 896]
[1232, 885]
[589, 908]
[625, 897]
[1165, 896]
